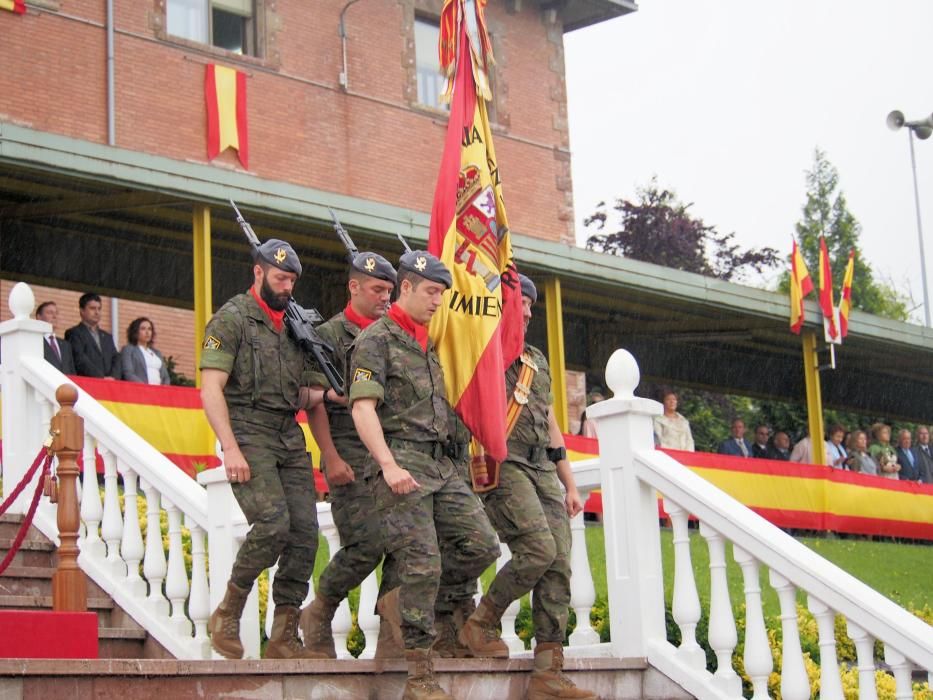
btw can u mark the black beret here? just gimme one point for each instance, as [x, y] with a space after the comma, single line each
[528, 288]
[426, 265]
[374, 265]
[279, 254]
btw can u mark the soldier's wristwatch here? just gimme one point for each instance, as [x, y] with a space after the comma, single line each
[556, 454]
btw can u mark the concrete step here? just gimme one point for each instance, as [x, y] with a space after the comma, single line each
[37, 580]
[338, 680]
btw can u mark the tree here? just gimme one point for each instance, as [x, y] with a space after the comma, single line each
[658, 228]
[826, 214]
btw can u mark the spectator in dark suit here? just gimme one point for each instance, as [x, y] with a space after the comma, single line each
[780, 446]
[139, 360]
[57, 351]
[760, 448]
[737, 445]
[94, 352]
[910, 468]
[923, 451]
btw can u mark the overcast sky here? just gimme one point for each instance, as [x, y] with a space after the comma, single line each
[726, 100]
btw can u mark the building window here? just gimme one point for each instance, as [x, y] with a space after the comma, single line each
[226, 24]
[427, 65]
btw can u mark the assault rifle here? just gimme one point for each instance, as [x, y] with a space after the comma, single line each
[344, 237]
[300, 321]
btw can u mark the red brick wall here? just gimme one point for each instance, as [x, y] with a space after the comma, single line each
[368, 143]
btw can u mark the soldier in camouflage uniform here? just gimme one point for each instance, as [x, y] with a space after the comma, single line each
[254, 378]
[532, 517]
[401, 413]
[344, 462]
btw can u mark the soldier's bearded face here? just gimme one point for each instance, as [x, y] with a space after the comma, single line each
[370, 297]
[277, 286]
[526, 311]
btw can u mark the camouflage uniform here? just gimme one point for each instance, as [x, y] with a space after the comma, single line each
[528, 511]
[408, 384]
[266, 369]
[351, 505]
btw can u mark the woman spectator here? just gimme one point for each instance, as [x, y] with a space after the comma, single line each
[140, 361]
[588, 427]
[859, 459]
[671, 429]
[883, 451]
[835, 452]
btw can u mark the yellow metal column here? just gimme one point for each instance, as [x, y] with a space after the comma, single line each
[203, 303]
[811, 375]
[555, 349]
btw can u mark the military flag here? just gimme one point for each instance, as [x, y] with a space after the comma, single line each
[225, 98]
[478, 331]
[845, 303]
[826, 289]
[800, 286]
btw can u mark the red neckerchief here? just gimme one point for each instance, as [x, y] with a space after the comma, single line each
[355, 318]
[405, 322]
[277, 317]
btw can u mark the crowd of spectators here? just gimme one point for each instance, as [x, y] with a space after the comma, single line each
[87, 350]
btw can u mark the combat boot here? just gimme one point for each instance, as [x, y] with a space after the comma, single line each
[315, 624]
[224, 623]
[448, 626]
[284, 642]
[548, 680]
[422, 685]
[480, 633]
[390, 644]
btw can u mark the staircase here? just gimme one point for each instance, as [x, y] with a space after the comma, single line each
[27, 585]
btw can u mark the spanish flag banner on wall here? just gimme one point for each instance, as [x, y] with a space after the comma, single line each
[826, 289]
[478, 331]
[800, 286]
[17, 6]
[225, 98]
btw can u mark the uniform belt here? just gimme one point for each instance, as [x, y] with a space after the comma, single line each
[435, 449]
[457, 450]
[532, 453]
[278, 420]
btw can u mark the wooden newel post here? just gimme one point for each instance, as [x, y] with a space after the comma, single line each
[69, 586]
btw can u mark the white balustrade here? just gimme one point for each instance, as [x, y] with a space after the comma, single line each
[366, 617]
[154, 565]
[199, 602]
[686, 602]
[794, 682]
[582, 590]
[111, 527]
[900, 667]
[723, 636]
[176, 584]
[865, 656]
[131, 545]
[830, 681]
[758, 661]
[92, 509]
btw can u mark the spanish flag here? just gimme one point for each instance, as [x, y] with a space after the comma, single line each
[800, 286]
[826, 288]
[845, 303]
[478, 331]
[225, 97]
[17, 6]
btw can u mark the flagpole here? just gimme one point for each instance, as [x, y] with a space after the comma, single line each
[811, 375]
[923, 259]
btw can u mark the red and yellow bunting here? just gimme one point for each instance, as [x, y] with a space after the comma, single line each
[845, 303]
[17, 6]
[225, 99]
[800, 286]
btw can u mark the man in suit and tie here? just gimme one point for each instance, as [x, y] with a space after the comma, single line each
[760, 448]
[910, 469]
[923, 455]
[57, 350]
[737, 445]
[94, 351]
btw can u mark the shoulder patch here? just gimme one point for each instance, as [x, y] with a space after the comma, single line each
[211, 343]
[362, 375]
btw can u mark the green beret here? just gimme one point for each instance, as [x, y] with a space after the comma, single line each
[374, 265]
[426, 265]
[279, 254]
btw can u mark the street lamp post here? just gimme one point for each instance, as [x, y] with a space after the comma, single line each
[923, 128]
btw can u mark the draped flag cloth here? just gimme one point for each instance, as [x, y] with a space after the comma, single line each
[800, 286]
[826, 288]
[17, 6]
[478, 331]
[225, 98]
[845, 303]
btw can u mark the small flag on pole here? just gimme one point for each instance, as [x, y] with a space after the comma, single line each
[826, 289]
[845, 303]
[800, 286]
[225, 97]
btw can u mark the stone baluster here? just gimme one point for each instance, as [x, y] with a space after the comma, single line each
[154, 566]
[111, 527]
[830, 681]
[582, 591]
[795, 685]
[865, 656]
[722, 633]
[69, 585]
[131, 545]
[512, 640]
[758, 660]
[686, 602]
[366, 616]
[199, 602]
[900, 667]
[91, 508]
[343, 620]
[176, 584]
